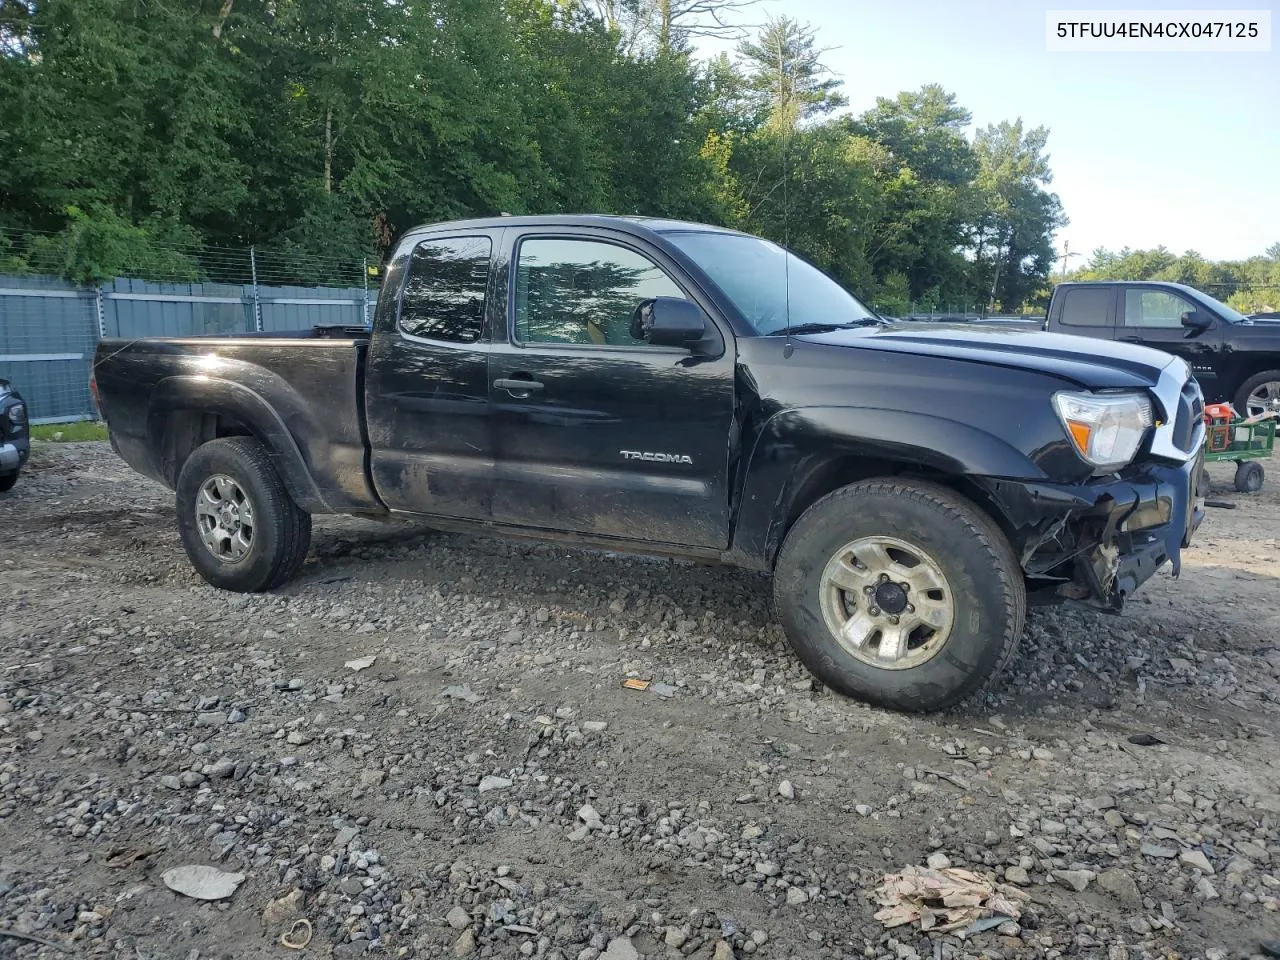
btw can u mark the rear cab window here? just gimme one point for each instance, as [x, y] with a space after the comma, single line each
[1086, 307]
[444, 294]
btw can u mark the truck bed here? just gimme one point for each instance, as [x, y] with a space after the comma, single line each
[302, 392]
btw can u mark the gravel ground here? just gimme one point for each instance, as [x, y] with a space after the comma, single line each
[487, 787]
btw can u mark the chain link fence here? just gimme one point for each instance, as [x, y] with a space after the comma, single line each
[949, 312]
[50, 327]
[77, 255]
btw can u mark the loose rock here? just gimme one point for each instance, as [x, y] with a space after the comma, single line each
[1077, 880]
[620, 948]
[1197, 860]
[465, 945]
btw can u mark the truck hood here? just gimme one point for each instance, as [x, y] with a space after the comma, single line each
[1255, 333]
[1092, 364]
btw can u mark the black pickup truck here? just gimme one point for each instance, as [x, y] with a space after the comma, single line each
[685, 390]
[1235, 358]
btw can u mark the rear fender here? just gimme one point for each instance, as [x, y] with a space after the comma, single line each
[224, 398]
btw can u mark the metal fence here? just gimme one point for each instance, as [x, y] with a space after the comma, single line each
[49, 328]
[950, 312]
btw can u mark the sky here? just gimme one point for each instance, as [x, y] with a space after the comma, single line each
[1180, 149]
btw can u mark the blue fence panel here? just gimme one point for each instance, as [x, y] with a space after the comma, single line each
[48, 330]
[138, 308]
[300, 308]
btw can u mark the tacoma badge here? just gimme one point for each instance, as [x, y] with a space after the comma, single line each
[656, 457]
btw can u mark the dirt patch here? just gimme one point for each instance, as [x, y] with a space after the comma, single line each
[487, 786]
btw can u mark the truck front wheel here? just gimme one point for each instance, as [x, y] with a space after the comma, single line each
[241, 529]
[902, 594]
[1258, 395]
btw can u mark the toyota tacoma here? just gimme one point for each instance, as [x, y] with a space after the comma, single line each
[680, 389]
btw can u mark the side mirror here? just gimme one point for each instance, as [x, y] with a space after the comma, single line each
[669, 322]
[1197, 320]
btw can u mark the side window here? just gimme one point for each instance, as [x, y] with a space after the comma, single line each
[1087, 307]
[444, 296]
[583, 291]
[1154, 308]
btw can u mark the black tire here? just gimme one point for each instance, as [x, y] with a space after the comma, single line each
[1250, 476]
[971, 552]
[1206, 483]
[281, 531]
[7, 480]
[1241, 400]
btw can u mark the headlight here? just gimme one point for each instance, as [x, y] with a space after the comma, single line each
[1105, 428]
[18, 414]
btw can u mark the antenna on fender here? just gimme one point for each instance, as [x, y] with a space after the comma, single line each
[788, 347]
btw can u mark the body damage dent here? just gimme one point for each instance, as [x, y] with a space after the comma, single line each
[1097, 542]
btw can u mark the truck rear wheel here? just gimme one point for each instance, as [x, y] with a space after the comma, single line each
[241, 529]
[901, 594]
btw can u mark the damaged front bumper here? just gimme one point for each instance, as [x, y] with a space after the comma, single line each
[1098, 542]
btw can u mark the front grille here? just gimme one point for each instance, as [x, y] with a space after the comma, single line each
[1190, 415]
[1181, 430]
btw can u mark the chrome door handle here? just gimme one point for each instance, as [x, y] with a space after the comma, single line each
[519, 388]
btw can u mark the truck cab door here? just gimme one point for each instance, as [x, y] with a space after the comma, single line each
[1152, 317]
[427, 378]
[594, 431]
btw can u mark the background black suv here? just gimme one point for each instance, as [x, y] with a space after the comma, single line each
[15, 436]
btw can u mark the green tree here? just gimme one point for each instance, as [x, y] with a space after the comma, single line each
[100, 244]
[930, 199]
[670, 25]
[15, 26]
[119, 104]
[1013, 236]
[152, 135]
[785, 71]
[925, 130]
[1249, 285]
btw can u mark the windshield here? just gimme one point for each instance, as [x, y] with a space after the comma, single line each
[1231, 316]
[752, 273]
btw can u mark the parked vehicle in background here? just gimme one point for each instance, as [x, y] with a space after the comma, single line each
[1235, 358]
[15, 435]
[674, 388]
[1029, 322]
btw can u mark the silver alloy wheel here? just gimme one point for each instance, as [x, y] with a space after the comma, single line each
[887, 602]
[224, 515]
[1265, 398]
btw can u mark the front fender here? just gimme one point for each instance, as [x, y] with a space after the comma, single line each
[797, 448]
